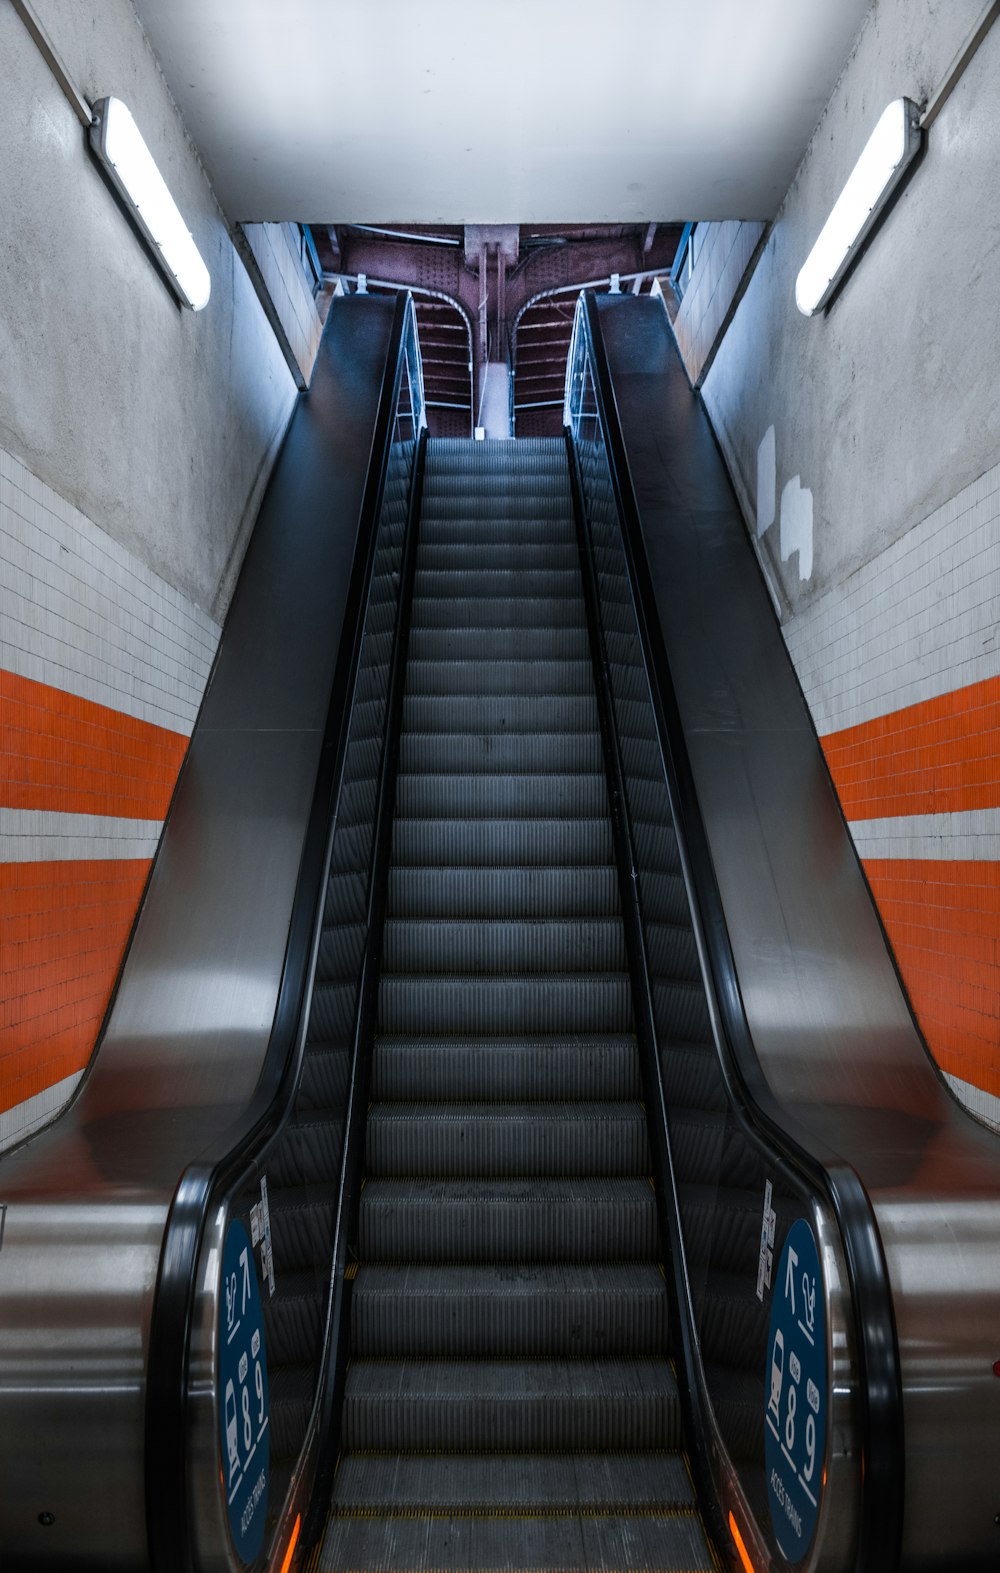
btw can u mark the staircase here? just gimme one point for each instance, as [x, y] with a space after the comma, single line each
[510, 1402]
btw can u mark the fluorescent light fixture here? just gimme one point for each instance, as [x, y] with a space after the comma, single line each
[888, 152]
[129, 165]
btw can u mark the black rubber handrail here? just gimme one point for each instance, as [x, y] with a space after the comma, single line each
[882, 1437]
[166, 1430]
[355, 1127]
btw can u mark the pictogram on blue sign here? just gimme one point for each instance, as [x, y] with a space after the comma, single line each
[242, 1396]
[796, 1386]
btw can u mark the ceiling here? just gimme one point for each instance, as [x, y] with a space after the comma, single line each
[522, 111]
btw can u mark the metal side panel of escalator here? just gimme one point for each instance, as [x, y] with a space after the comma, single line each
[192, 1038]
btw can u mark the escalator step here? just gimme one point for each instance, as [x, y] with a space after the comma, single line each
[486, 554]
[480, 506]
[517, 1068]
[672, 952]
[301, 1226]
[290, 1399]
[527, 611]
[503, 892]
[325, 1077]
[721, 1226]
[736, 1401]
[496, 945]
[502, 796]
[499, 644]
[546, 1543]
[732, 1322]
[512, 1139]
[293, 1320]
[692, 1076]
[680, 1010]
[541, 481]
[500, 584]
[479, 714]
[664, 898]
[309, 1149]
[523, 1311]
[488, 1220]
[505, 753]
[551, 1482]
[472, 1005]
[528, 530]
[525, 679]
[501, 843]
[510, 1406]
[650, 1543]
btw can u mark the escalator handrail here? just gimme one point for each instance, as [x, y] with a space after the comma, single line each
[206, 1178]
[881, 1397]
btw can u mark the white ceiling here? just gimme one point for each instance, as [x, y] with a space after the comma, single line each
[519, 111]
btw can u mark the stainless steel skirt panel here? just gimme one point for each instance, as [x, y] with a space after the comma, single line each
[830, 1025]
[86, 1200]
[77, 1280]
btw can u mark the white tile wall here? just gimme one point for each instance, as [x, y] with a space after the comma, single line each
[30, 835]
[726, 250]
[81, 613]
[958, 837]
[915, 622]
[28, 1117]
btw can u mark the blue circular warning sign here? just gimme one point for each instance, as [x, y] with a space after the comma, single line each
[796, 1387]
[242, 1396]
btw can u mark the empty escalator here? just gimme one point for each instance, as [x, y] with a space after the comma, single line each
[509, 1400]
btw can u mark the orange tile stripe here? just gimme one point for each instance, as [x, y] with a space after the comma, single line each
[943, 920]
[940, 756]
[68, 754]
[67, 924]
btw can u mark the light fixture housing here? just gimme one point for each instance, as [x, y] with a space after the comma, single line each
[132, 172]
[887, 154]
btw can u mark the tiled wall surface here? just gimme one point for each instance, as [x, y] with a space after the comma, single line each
[900, 665]
[725, 252]
[102, 669]
[275, 249]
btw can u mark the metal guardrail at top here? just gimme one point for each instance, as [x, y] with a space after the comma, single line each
[365, 280]
[862, 1526]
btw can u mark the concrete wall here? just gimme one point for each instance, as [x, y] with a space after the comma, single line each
[864, 445]
[158, 424]
[135, 442]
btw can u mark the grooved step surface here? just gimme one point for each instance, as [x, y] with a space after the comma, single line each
[525, 1068]
[499, 945]
[501, 843]
[543, 892]
[489, 1220]
[480, 796]
[654, 1543]
[510, 712]
[508, 1403]
[486, 1004]
[507, 1139]
[525, 1482]
[524, 1310]
[535, 679]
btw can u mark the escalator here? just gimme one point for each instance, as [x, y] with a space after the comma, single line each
[509, 1400]
[550, 1208]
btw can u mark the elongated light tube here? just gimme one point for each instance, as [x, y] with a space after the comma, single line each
[887, 153]
[129, 165]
